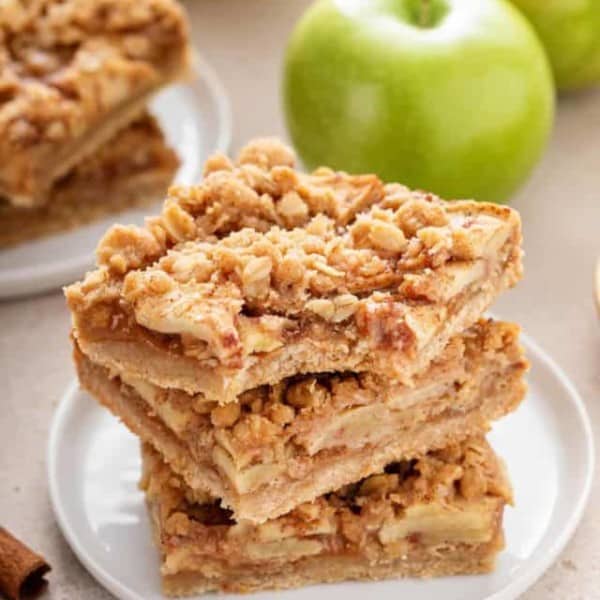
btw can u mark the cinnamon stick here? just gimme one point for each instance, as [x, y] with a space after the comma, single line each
[21, 569]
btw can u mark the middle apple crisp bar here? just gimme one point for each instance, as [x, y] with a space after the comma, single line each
[261, 273]
[280, 445]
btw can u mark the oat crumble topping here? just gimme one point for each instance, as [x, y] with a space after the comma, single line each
[234, 263]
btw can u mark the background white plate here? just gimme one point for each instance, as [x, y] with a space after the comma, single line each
[94, 467]
[196, 119]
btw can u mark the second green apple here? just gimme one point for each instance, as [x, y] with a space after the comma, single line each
[452, 96]
[570, 32]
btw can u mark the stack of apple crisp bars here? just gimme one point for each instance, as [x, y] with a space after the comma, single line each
[75, 78]
[305, 361]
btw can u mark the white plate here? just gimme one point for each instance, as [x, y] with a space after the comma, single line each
[196, 119]
[94, 467]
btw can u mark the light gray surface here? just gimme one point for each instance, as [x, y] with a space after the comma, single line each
[561, 212]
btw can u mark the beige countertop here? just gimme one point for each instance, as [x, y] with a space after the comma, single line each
[561, 212]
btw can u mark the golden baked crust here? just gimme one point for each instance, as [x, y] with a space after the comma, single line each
[292, 442]
[447, 503]
[328, 272]
[134, 168]
[71, 74]
[452, 559]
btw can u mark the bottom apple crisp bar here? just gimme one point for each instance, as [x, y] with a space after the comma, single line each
[134, 168]
[434, 516]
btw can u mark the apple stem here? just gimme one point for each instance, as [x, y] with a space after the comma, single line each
[425, 13]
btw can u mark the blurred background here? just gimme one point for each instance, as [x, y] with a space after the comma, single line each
[244, 41]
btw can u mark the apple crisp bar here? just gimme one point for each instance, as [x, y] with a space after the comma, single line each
[289, 443]
[72, 73]
[261, 273]
[434, 516]
[135, 168]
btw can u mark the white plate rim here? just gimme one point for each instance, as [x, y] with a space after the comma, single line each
[535, 570]
[205, 71]
[38, 279]
[544, 562]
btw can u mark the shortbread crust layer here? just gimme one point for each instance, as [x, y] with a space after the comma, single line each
[340, 273]
[133, 169]
[267, 461]
[437, 515]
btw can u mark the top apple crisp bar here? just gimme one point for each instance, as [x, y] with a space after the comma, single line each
[73, 72]
[261, 272]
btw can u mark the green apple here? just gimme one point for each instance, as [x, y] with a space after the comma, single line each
[570, 31]
[451, 96]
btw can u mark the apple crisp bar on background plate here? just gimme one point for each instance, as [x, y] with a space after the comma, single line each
[73, 74]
